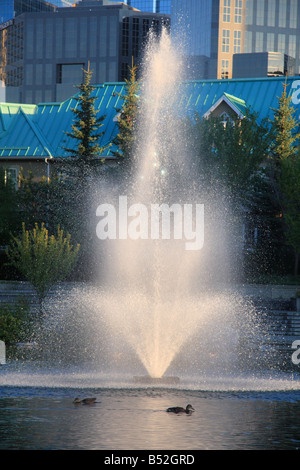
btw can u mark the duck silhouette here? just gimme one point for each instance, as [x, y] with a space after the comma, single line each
[178, 409]
[84, 401]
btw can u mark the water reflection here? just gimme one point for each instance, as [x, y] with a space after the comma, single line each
[136, 419]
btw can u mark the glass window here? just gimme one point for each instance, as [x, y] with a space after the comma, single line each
[70, 73]
[237, 42]
[29, 74]
[70, 37]
[83, 37]
[260, 13]
[103, 34]
[259, 38]
[270, 42]
[225, 69]
[112, 37]
[292, 45]
[93, 36]
[39, 74]
[271, 12]
[293, 14]
[249, 12]
[248, 41]
[282, 13]
[281, 43]
[39, 39]
[48, 74]
[29, 39]
[225, 40]
[58, 37]
[238, 11]
[49, 38]
[226, 11]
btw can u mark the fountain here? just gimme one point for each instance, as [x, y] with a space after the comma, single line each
[165, 311]
[171, 255]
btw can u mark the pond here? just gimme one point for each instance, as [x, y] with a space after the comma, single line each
[230, 414]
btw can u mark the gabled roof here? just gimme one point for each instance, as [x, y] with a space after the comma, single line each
[38, 131]
[237, 105]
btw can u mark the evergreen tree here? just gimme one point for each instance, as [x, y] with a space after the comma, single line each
[127, 120]
[285, 170]
[85, 131]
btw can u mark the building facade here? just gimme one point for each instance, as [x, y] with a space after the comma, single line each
[11, 8]
[218, 29]
[156, 6]
[43, 54]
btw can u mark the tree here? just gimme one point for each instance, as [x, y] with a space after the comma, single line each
[8, 208]
[284, 170]
[43, 259]
[230, 155]
[85, 130]
[125, 140]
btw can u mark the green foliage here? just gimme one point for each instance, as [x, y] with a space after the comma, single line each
[230, 155]
[85, 130]
[285, 170]
[41, 258]
[284, 128]
[127, 119]
[14, 322]
[8, 209]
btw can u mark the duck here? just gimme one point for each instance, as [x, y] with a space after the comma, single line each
[85, 401]
[179, 409]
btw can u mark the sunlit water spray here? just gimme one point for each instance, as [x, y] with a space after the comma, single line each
[164, 294]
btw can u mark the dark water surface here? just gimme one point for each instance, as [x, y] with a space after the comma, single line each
[134, 418]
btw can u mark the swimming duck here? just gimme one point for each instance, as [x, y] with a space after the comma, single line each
[85, 401]
[179, 409]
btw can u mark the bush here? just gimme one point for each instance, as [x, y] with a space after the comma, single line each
[15, 324]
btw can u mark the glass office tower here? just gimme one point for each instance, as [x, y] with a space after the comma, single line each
[11, 8]
[155, 6]
[218, 29]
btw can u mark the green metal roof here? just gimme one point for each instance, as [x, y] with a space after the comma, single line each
[38, 131]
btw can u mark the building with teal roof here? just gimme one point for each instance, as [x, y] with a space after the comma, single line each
[33, 136]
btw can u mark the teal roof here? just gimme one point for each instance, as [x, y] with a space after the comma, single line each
[38, 131]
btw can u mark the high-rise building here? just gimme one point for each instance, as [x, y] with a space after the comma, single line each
[218, 29]
[11, 8]
[156, 6]
[43, 54]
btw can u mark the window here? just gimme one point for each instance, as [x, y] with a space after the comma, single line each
[249, 12]
[260, 13]
[292, 45]
[293, 14]
[237, 42]
[70, 73]
[135, 37]
[259, 38]
[238, 11]
[248, 41]
[225, 69]
[270, 42]
[271, 12]
[282, 14]
[11, 175]
[225, 40]
[281, 43]
[226, 11]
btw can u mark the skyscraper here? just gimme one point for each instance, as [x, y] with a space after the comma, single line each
[42, 54]
[11, 8]
[218, 29]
